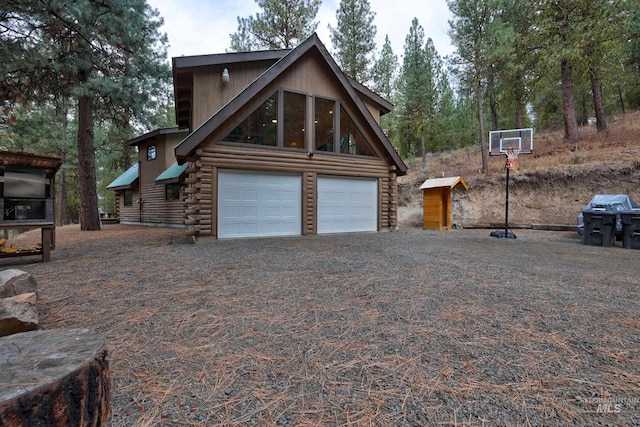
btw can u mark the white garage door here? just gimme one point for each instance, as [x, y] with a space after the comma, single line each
[347, 204]
[254, 204]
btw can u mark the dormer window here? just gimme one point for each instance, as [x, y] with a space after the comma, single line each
[151, 152]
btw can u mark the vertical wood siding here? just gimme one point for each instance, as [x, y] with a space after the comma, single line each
[210, 93]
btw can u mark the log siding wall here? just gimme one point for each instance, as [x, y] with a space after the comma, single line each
[129, 213]
[201, 191]
[157, 210]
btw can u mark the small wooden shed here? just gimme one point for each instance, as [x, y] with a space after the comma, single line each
[436, 194]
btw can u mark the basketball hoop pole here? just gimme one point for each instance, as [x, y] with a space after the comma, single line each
[510, 163]
[506, 210]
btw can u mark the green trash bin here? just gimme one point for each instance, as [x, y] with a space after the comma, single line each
[599, 227]
[630, 229]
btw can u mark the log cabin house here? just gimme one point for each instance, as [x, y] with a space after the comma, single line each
[278, 143]
[150, 192]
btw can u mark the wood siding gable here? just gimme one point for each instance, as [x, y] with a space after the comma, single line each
[193, 141]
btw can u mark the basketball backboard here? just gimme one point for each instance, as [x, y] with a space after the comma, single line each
[502, 140]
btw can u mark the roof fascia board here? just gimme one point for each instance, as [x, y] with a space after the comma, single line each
[385, 106]
[157, 132]
[402, 167]
[227, 58]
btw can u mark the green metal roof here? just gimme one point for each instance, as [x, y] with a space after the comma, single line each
[174, 171]
[126, 180]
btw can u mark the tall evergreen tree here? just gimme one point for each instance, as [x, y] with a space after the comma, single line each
[385, 75]
[468, 30]
[413, 90]
[354, 38]
[560, 30]
[384, 72]
[518, 56]
[107, 55]
[283, 24]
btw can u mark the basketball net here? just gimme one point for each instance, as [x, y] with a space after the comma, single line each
[512, 158]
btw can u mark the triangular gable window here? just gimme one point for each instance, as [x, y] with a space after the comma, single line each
[351, 139]
[280, 121]
[261, 127]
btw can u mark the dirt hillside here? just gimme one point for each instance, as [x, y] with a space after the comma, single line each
[551, 186]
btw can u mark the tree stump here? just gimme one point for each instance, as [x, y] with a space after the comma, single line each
[57, 377]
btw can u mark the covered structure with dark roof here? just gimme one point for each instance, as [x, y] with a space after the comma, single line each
[27, 198]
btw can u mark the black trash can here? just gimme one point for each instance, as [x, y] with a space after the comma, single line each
[630, 229]
[599, 227]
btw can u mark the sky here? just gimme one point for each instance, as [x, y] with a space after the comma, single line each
[202, 27]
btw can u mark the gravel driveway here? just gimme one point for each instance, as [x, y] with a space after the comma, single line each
[405, 328]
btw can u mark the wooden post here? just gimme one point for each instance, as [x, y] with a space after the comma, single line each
[46, 243]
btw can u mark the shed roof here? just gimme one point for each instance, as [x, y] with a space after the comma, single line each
[173, 172]
[20, 158]
[126, 180]
[451, 181]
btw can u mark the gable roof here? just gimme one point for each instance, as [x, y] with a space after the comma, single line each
[451, 182]
[183, 66]
[193, 140]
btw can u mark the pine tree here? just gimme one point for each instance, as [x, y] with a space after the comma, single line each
[283, 24]
[468, 31]
[413, 89]
[354, 38]
[384, 72]
[107, 55]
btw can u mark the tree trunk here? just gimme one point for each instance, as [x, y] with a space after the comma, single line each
[483, 148]
[598, 103]
[582, 113]
[62, 217]
[89, 215]
[63, 205]
[620, 98]
[424, 149]
[520, 106]
[493, 107]
[57, 377]
[568, 103]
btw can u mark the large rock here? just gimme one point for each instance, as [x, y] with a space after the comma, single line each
[18, 314]
[15, 282]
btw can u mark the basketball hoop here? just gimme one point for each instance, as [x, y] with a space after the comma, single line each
[512, 158]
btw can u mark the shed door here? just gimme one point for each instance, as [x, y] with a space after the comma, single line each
[255, 204]
[347, 204]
